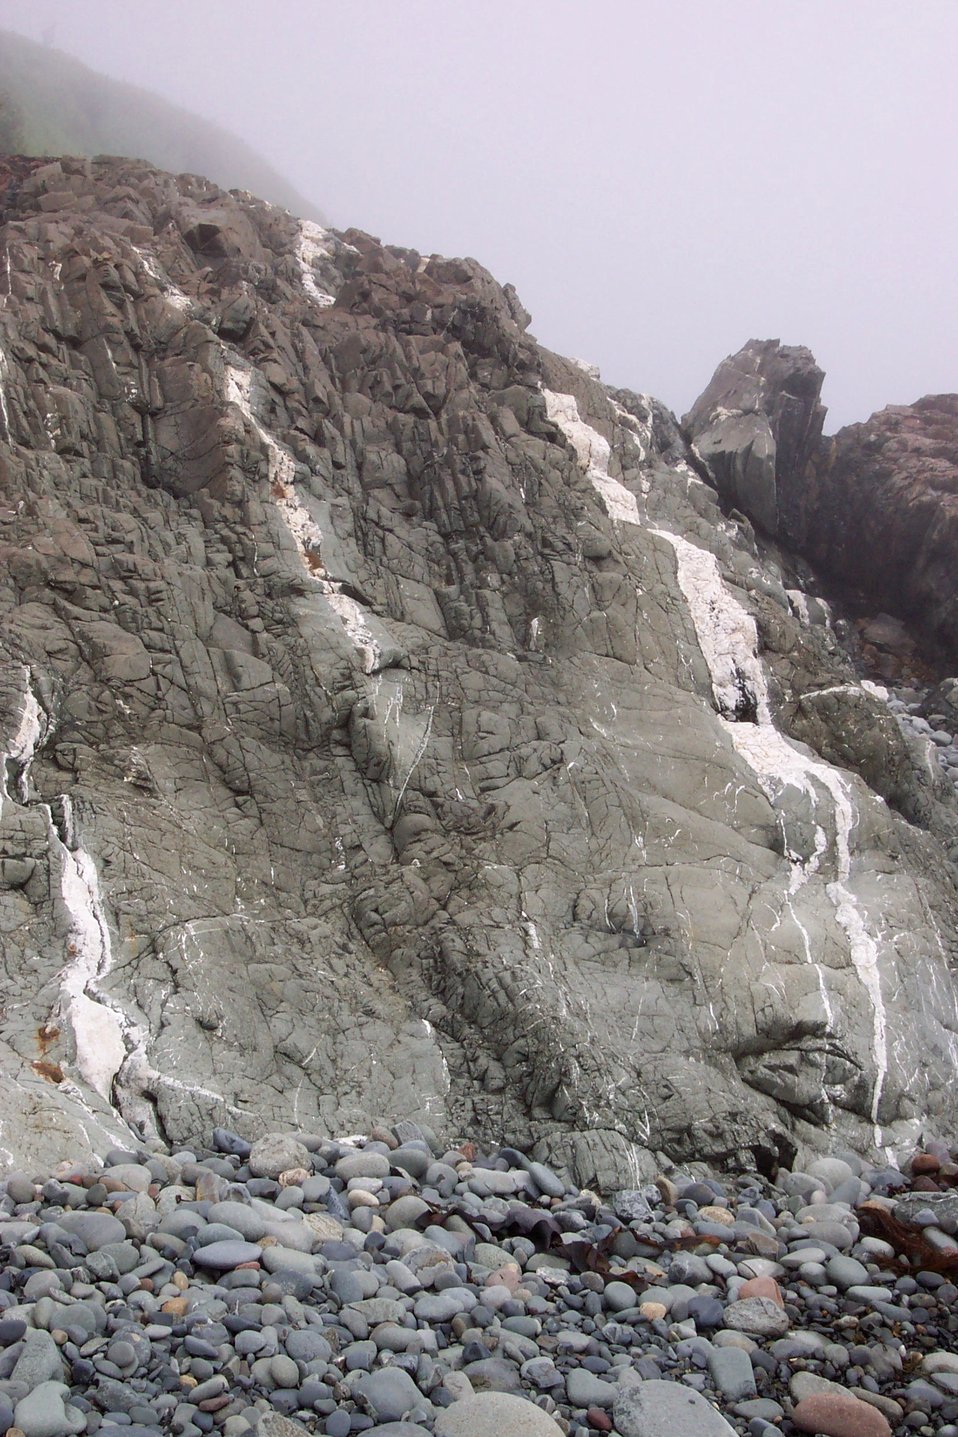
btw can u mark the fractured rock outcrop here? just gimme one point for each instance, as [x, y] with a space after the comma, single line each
[395, 726]
[756, 427]
[882, 510]
[874, 507]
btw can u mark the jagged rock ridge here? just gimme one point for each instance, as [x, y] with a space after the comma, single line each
[394, 725]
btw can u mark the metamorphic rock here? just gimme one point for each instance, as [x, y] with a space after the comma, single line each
[399, 722]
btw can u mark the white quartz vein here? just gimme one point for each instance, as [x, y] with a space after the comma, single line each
[313, 244]
[24, 743]
[4, 411]
[303, 528]
[593, 452]
[99, 1028]
[171, 293]
[728, 639]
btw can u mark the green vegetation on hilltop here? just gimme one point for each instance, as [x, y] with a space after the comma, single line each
[51, 104]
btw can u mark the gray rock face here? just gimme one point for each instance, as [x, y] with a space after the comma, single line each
[394, 727]
[757, 424]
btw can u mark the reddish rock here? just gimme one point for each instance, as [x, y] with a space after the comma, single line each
[875, 505]
[762, 1287]
[839, 1415]
[216, 1404]
[598, 1420]
[925, 1184]
[925, 1163]
[509, 1275]
[878, 505]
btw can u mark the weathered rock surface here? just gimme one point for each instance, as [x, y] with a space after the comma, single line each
[874, 507]
[394, 726]
[881, 509]
[757, 424]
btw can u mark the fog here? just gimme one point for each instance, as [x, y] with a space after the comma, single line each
[661, 179]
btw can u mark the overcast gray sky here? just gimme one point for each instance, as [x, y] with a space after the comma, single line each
[661, 179]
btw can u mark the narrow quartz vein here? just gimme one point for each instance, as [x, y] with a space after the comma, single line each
[302, 526]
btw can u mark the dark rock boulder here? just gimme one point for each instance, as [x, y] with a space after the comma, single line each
[757, 425]
[874, 507]
[878, 507]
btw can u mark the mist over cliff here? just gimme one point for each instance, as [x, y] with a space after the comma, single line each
[53, 104]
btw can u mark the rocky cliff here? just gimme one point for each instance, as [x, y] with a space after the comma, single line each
[396, 726]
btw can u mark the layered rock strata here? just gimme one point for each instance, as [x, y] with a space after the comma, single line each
[395, 724]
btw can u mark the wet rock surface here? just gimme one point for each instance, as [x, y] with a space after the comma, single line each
[394, 723]
[548, 1312]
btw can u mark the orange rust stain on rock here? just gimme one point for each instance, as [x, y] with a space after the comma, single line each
[51, 1071]
[47, 1034]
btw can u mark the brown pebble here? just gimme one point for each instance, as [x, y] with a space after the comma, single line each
[599, 1420]
[670, 1193]
[146, 1284]
[246, 1267]
[713, 1213]
[925, 1163]
[180, 1280]
[839, 1415]
[188, 1380]
[213, 1404]
[293, 1178]
[176, 1305]
[762, 1287]
[59, 1336]
[924, 1184]
[379, 1134]
[509, 1275]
